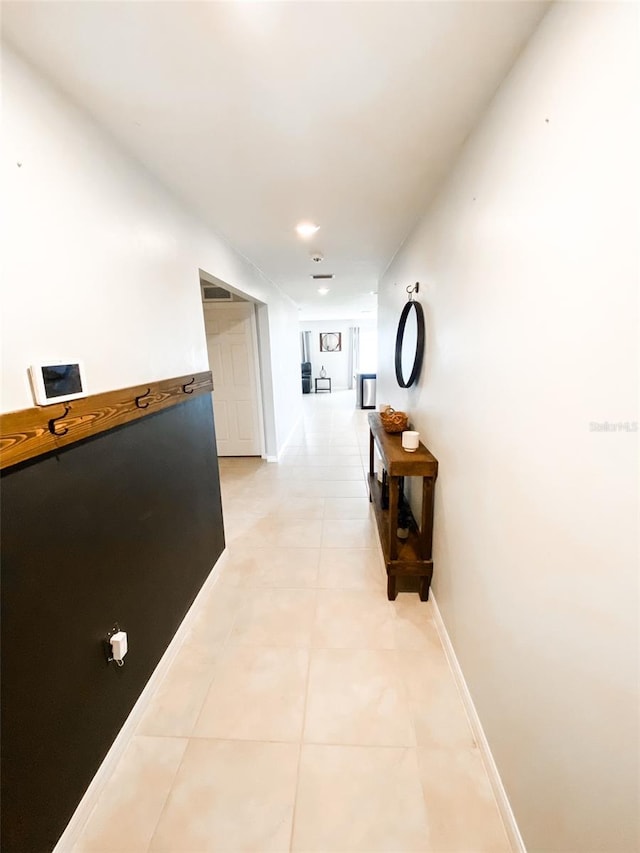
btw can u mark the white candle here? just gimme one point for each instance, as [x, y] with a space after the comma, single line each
[410, 440]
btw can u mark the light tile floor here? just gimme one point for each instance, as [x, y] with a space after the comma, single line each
[304, 712]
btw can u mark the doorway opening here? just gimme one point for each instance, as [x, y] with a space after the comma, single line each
[237, 335]
[338, 355]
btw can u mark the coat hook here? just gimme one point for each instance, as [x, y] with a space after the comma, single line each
[52, 423]
[190, 390]
[139, 404]
[413, 288]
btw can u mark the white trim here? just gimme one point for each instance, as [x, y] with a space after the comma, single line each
[285, 442]
[263, 332]
[504, 806]
[71, 835]
[258, 376]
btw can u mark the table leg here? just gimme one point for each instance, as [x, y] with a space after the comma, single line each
[424, 589]
[392, 592]
[372, 473]
[393, 518]
[426, 527]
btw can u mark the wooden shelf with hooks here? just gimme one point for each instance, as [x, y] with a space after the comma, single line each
[42, 429]
[409, 557]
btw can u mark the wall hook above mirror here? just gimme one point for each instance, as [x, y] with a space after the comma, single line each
[413, 288]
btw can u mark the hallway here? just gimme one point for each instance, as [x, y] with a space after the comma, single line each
[304, 711]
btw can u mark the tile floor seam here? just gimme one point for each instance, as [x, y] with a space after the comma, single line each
[300, 743]
[244, 739]
[407, 696]
[230, 629]
[362, 746]
[168, 794]
[214, 675]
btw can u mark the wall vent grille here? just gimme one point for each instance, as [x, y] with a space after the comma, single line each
[211, 293]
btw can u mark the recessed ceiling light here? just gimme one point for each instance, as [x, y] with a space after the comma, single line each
[373, 293]
[323, 291]
[306, 229]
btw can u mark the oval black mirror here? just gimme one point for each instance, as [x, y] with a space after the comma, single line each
[409, 344]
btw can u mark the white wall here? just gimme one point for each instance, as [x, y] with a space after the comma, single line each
[368, 346]
[528, 262]
[100, 262]
[337, 363]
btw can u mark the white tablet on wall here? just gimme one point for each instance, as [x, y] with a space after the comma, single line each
[57, 382]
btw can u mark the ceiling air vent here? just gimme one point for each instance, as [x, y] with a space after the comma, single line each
[212, 293]
[322, 277]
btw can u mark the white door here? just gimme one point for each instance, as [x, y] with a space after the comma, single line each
[231, 343]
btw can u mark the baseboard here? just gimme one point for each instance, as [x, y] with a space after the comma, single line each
[71, 835]
[504, 806]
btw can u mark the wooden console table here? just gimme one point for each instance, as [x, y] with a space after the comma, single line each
[412, 556]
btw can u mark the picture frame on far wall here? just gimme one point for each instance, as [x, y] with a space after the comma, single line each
[330, 341]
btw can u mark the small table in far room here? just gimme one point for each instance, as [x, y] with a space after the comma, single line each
[325, 383]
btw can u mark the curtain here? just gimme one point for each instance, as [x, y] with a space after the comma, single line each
[354, 354]
[305, 346]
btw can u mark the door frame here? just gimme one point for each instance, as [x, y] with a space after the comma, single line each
[259, 325]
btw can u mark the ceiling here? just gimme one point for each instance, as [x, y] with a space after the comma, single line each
[260, 115]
